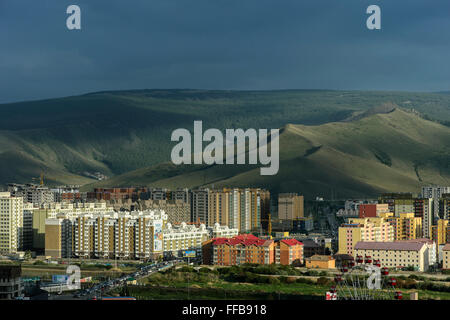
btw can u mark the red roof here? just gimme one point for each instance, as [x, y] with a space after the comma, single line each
[244, 239]
[291, 242]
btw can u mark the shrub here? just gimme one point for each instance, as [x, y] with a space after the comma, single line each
[274, 280]
[323, 281]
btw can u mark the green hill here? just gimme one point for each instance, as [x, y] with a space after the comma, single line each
[121, 131]
[393, 151]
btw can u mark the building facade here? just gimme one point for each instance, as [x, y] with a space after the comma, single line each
[244, 248]
[11, 223]
[398, 254]
[289, 252]
[363, 229]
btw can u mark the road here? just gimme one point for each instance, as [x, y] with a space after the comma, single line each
[98, 289]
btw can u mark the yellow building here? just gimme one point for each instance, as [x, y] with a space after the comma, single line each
[363, 229]
[440, 232]
[244, 209]
[320, 262]
[51, 210]
[124, 235]
[406, 226]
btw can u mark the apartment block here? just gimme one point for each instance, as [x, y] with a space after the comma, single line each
[51, 210]
[290, 206]
[243, 209]
[397, 254]
[444, 206]
[435, 193]
[363, 229]
[125, 235]
[406, 226]
[440, 232]
[32, 193]
[423, 208]
[11, 223]
[200, 206]
[289, 252]
[241, 249]
[135, 235]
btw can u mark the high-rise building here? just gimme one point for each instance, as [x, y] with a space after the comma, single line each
[444, 206]
[290, 206]
[125, 235]
[32, 193]
[435, 193]
[440, 232]
[200, 206]
[11, 223]
[423, 208]
[238, 208]
[51, 210]
[406, 227]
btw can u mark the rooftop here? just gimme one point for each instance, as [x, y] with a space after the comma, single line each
[396, 245]
[317, 257]
[291, 242]
[243, 239]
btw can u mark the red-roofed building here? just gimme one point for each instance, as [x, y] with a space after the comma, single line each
[289, 251]
[246, 248]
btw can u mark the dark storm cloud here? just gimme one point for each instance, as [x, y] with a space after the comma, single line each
[221, 44]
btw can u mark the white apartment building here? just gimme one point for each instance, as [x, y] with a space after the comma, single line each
[183, 237]
[396, 254]
[11, 223]
[218, 231]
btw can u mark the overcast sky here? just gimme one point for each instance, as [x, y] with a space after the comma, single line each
[221, 44]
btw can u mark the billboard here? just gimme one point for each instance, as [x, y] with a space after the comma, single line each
[157, 236]
[60, 278]
[189, 253]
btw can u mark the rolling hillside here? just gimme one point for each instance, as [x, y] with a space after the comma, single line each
[118, 132]
[380, 152]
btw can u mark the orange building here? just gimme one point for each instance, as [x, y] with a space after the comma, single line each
[321, 262]
[244, 248]
[289, 251]
[247, 248]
